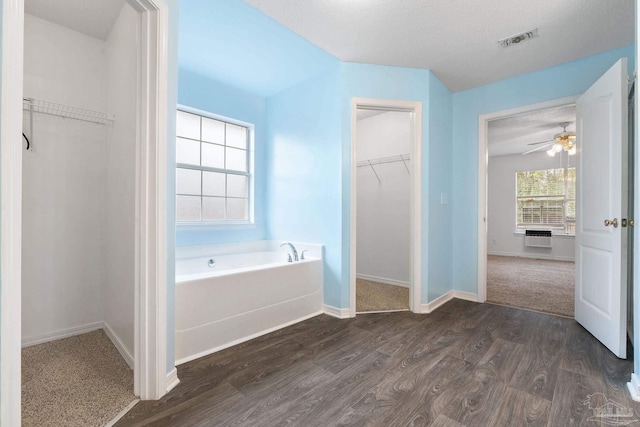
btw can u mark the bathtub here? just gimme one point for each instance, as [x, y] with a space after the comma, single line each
[228, 294]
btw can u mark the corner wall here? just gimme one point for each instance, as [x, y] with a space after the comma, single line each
[303, 172]
[440, 197]
[382, 82]
[120, 212]
[568, 79]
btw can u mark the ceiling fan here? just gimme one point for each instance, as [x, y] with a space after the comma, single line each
[561, 141]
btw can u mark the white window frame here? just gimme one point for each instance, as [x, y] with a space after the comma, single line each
[555, 228]
[224, 225]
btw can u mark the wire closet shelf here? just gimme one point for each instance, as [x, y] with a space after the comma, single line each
[381, 160]
[404, 158]
[68, 111]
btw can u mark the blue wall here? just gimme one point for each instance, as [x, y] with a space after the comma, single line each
[568, 79]
[382, 82]
[439, 168]
[303, 171]
[205, 94]
[235, 44]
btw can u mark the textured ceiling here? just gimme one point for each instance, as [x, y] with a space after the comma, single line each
[457, 39]
[94, 18]
[512, 135]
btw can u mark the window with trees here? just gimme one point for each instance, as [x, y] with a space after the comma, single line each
[546, 199]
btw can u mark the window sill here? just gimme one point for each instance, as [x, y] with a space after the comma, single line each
[214, 226]
[553, 234]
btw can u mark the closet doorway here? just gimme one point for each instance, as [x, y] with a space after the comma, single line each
[78, 213]
[385, 179]
[146, 347]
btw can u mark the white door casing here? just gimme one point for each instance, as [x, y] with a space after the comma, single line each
[415, 108]
[601, 128]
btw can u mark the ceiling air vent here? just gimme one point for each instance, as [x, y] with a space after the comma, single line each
[518, 38]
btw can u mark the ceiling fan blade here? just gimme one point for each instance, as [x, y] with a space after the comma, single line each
[541, 142]
[537, 149]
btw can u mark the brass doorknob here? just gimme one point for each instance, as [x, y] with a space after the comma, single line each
[613, 222]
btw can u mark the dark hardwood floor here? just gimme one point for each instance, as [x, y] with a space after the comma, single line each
[465, 364]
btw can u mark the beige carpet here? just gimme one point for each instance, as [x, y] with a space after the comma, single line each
[77, 381]
[374, 296]
[534, 284]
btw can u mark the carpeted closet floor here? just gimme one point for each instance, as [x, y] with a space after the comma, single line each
[533, 284]
[77, 381]
[374, 296]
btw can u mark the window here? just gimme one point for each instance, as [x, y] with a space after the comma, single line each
[546, 199]
[213, 175]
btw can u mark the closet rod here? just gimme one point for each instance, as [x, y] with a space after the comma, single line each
[67, 111]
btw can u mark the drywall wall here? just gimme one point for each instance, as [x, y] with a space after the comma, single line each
[382, 82]
[438, 202]
[199, 92]
[63, 183]
[569, 79]
[383, 207]
[303, 173]
[501, 207]
[120, 209]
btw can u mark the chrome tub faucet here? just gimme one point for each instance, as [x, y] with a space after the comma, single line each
[293, 249]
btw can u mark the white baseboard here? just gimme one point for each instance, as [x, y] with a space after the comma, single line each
[63, 333]
[384, 280]
[467, 296]
[634, 387]
[126, 355]
[172, 379]
[340, 313]
[532, 255]
[443, 299]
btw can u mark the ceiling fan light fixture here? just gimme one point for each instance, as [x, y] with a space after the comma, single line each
[557, 147]
[550, 152]
[572, 151]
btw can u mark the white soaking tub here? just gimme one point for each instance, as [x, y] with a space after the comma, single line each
[227, 294]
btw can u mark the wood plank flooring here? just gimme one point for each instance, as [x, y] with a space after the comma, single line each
[466, 364]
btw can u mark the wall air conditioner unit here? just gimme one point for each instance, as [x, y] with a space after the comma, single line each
[538, 239]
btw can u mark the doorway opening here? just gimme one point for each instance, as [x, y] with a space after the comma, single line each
[385, 211]
[531, 204]
[383, 261]
[150, 380]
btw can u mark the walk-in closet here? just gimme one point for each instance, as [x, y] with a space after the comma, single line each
[383, 210]
[78, 266]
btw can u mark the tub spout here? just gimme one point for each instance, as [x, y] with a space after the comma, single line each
[293, 249]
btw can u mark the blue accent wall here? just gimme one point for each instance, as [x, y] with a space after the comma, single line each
[303, 160]
[200, 92]
[409, 84]
[440, 165]
[568, 79]
[237, 45]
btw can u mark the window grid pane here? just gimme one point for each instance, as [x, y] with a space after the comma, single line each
[221, 194]
[546, 198]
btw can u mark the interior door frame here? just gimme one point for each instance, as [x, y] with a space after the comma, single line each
[483, 169]
[150, 346]
[415, 108]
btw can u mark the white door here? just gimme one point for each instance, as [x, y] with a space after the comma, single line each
[601, 128]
